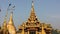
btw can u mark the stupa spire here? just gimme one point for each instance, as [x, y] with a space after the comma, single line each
[11, 27]
[5, 19]
[5, 23]
[32, 18]
[11, 19]
[32, 10]
[32, 15]
[4, 27]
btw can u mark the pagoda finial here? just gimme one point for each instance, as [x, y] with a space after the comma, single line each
[5, 22]
[11, 8]
[11, 25]
[4, 27]
[32, 8]
[32, 18]
[32, 2]
[11, 18]
[32, 15]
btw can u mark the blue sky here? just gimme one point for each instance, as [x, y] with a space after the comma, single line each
[47, 11]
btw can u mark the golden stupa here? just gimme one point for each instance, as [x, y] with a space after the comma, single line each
[31, 26]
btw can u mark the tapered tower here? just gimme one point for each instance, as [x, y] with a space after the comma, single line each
[4, 27]
[33, 25]
[5, 24]
[33, 17]
[10, 26]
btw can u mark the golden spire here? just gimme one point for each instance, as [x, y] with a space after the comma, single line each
[11, 19]
[10, 26]
[4, 27]
[32, 15]
[32, 18]
[5, 23]
[32, 10]
[5, 20]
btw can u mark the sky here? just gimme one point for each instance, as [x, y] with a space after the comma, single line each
[47, 11]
